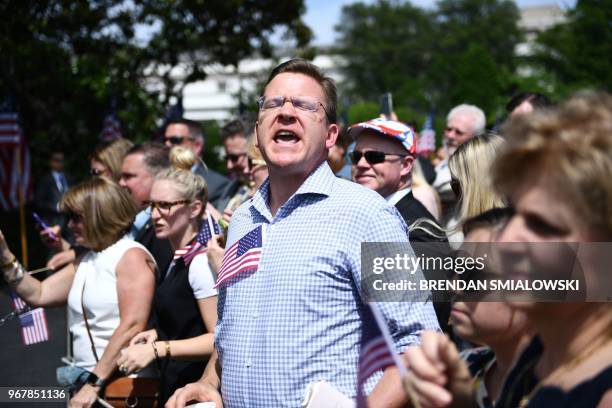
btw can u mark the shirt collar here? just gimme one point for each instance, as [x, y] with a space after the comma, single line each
[139, 221]
[320, 182]
[398, 195]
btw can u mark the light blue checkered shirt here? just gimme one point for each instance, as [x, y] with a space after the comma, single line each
[298, 318]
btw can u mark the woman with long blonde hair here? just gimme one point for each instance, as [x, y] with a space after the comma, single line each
[470, 168]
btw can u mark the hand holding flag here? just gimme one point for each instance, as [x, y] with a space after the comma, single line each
[377, 353]
[207, 229]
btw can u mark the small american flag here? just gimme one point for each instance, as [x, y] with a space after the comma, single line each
[427, 137]
[244, 255]
[33, 322]
[13, 152]
[377, 353]
[111, 129]
[208, 228]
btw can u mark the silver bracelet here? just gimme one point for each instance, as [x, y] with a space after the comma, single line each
[15, 274]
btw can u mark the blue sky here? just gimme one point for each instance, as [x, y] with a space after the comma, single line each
[322, 15]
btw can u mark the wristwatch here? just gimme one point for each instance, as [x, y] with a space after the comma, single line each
[94, 380]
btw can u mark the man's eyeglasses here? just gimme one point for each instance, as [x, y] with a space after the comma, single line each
[371, 156]
[165, 206]
[303, 103]
[234, 157]
[175, 140]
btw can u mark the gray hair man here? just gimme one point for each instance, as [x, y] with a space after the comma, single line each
[463, 122]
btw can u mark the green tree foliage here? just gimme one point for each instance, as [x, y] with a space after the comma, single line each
[387, 45]
[462, 51]
[578, 53]
[64, 60]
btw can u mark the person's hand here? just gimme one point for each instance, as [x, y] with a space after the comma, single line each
[61, 259]
[135, 358]
[6, 255]
[47, 234]
[215, 252]
[198, 391]
[437, 375]
[85, 398]
[146, 337]
[227, 215]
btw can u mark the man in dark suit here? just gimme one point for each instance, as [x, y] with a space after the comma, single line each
[235, 135]
[188, 133]
[49, 191]
[140, 166]
[382, 161]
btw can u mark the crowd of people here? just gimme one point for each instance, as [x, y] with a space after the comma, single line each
[246, 290]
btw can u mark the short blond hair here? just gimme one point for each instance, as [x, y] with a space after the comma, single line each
[569, 148]
[471, 166]
[107, 210]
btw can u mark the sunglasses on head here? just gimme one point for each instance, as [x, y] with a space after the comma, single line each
[372, 156]
[175, 140]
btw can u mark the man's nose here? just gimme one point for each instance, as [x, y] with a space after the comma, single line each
[287, 108]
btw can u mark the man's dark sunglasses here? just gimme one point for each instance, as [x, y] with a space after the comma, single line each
[175, 140]
[234, 157]
[371, 156]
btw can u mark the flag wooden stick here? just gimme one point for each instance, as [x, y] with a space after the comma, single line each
[46, 268]
[20, 198]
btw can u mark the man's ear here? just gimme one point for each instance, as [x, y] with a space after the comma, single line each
[407, 163]
[332, 135]
[198, 146]
[257, 134]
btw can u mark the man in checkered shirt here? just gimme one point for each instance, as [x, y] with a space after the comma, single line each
[297, 319]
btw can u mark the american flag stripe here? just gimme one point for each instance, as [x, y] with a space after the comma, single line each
[34, 327]
[249, 262]
[18, 303]
[9, 128]
[377, 354]
[243, 255]
[111, 129]
[377, 357]
[13, 144]
[208, 228]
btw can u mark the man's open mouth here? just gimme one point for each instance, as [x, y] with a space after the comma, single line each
[286, 136]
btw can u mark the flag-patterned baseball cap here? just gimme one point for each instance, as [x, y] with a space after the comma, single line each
[390, 128]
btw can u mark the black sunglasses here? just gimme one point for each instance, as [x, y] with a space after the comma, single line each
[95, 172]
[175, 140]
[234, 157]
[371, 156]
